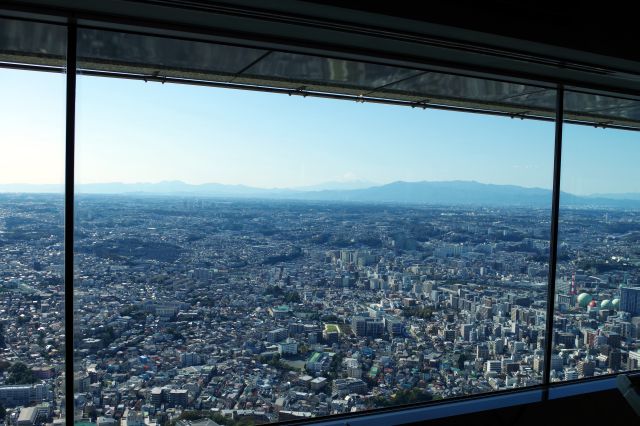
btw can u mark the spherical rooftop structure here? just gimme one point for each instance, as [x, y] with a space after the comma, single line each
[605, 304]
[593, 304]
[584, 299]
[615, 303]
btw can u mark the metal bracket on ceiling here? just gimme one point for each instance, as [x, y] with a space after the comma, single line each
[155, 76]
[521, 115]
[603, 124]
[421, 104]
[300, 91]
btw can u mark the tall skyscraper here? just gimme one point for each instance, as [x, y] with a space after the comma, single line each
[630, 300]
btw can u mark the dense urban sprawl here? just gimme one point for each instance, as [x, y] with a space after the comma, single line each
[249, 312]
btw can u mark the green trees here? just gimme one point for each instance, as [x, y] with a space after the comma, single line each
[216, 417]
[20, 374]
[292, 297]
[403, 397]
[276, 362]
[335, 366]
[106, 334]
[288, 296]
[417, 312]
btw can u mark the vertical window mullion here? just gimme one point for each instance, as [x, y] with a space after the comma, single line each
[68, 214]
[553, 242]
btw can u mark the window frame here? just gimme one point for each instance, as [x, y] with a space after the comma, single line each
[398, 414]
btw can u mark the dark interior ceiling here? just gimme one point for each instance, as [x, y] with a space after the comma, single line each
[600, 28]
[603, 28]
[522, 43]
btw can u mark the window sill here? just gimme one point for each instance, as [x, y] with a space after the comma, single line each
[470, 405]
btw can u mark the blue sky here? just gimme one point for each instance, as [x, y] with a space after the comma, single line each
[131, 131]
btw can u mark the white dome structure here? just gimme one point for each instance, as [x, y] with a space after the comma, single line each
[584, 299]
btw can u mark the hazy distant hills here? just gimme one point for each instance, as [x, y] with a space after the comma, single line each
[444, 193]
[467, 193]
[327, 186]
[450, 192]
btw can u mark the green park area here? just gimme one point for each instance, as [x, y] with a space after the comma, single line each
[332, 328]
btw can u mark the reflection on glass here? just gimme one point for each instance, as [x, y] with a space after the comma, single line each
[250, 257]
[32, 337]
[36, 43]
[597, 310]
[146, 54]
[155, 58]
[602, 109]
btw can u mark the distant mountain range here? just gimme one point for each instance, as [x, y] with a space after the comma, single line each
[424, 192]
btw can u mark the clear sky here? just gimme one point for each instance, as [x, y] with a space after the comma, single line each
[131, 131]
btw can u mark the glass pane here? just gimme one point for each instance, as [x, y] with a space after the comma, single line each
[153, 58]
[602, 110]
[596, 296]
[149, 55]
[32, 42]
[318, 73]
[32, 334]
[257, 257]
[434, 87]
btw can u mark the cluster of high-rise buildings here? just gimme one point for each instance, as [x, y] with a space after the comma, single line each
[263, 311]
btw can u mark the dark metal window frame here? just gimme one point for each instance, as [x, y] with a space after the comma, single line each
[392, 415]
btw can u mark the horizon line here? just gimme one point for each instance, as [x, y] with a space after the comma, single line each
[302, 188]
[275, 188]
